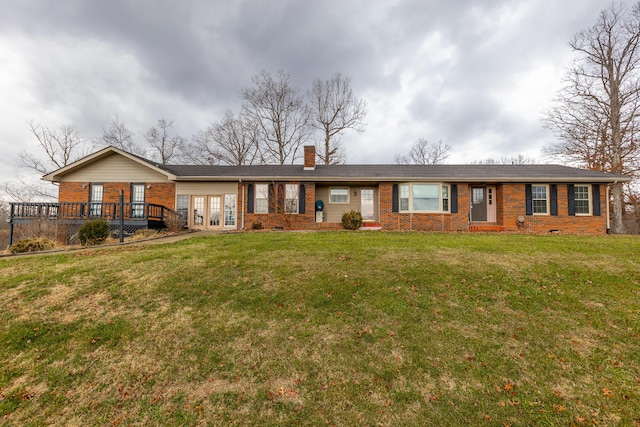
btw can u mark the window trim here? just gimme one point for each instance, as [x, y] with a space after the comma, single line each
[589, 200]
[407, 189]
[291, 208]
[233, 212]
[256, 210]
[340, 188]
[547, 199]
[95, 207]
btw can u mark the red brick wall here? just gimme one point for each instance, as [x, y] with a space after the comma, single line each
[514, 206]
[305, 221]
[159, 193]
[510, 204]
[422, 221]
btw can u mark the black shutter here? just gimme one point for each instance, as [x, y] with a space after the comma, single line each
[595, 193]
[250, 198]
[529, 199]
[281, 197]
[394, 198]
[571, 200]
[272, 198]
[554, 199]
[454, 198]
[303, 200]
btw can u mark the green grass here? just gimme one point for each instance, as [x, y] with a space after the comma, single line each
[389, 329]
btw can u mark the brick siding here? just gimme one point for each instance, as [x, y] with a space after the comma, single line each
[509, 198]
[159, 193]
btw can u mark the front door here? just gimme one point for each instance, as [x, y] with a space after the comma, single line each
[367, 204]
[478, 203]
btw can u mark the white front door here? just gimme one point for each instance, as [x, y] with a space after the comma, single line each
[367, 204]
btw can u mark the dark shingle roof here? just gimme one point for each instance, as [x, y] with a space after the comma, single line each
[451, 173]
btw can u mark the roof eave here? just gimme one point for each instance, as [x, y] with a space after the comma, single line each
[402, 179]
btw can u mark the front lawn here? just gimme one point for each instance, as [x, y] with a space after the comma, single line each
[331, 328]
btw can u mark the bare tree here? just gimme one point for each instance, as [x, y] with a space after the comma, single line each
[334, 110]
[232, 141]
[24, 191]
[595, 115]
[118, 135]
[520, 159]
[279, 115]
[165, 147]
[424, 153]
[61, 147]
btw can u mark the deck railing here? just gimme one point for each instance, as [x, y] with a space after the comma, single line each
[87, 210]
[134, 215]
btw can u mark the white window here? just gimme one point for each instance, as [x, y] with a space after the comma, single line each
[445, 198]
[137, 200]
[339, 195]
[95, 207]
[229, 210]
[291, 199]
[540, 199]
[182, 207]
[427, 197]
[404, 198]
[262, 199]
[582, 197]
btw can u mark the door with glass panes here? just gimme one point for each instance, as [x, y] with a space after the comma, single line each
[213, 212]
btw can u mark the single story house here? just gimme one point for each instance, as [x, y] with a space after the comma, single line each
[514, 198]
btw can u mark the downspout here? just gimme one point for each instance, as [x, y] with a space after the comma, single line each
[243, 207]
[11, 211]
[607, 204]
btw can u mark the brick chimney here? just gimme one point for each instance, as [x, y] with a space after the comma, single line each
[309, 157]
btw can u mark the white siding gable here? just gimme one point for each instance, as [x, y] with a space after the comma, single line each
[114, 168]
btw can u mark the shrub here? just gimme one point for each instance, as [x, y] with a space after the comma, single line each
[352, 220]
[33, 244]
[256, 226]
[175, 223]
[93, 232]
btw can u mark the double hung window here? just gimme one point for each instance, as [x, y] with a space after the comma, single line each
[291, 199]
[540, 199]
[262, 198]
[582, 197]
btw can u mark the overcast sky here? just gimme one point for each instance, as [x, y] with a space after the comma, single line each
[475, 74]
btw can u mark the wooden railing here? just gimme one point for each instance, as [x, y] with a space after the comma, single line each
[84, 210]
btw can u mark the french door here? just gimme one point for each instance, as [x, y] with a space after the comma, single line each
[213, 212]
[205, 211]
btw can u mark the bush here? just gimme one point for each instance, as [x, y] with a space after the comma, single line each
[33, 244]
[352, 220]
[93, 232]
[257, 226]
[175, 223]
